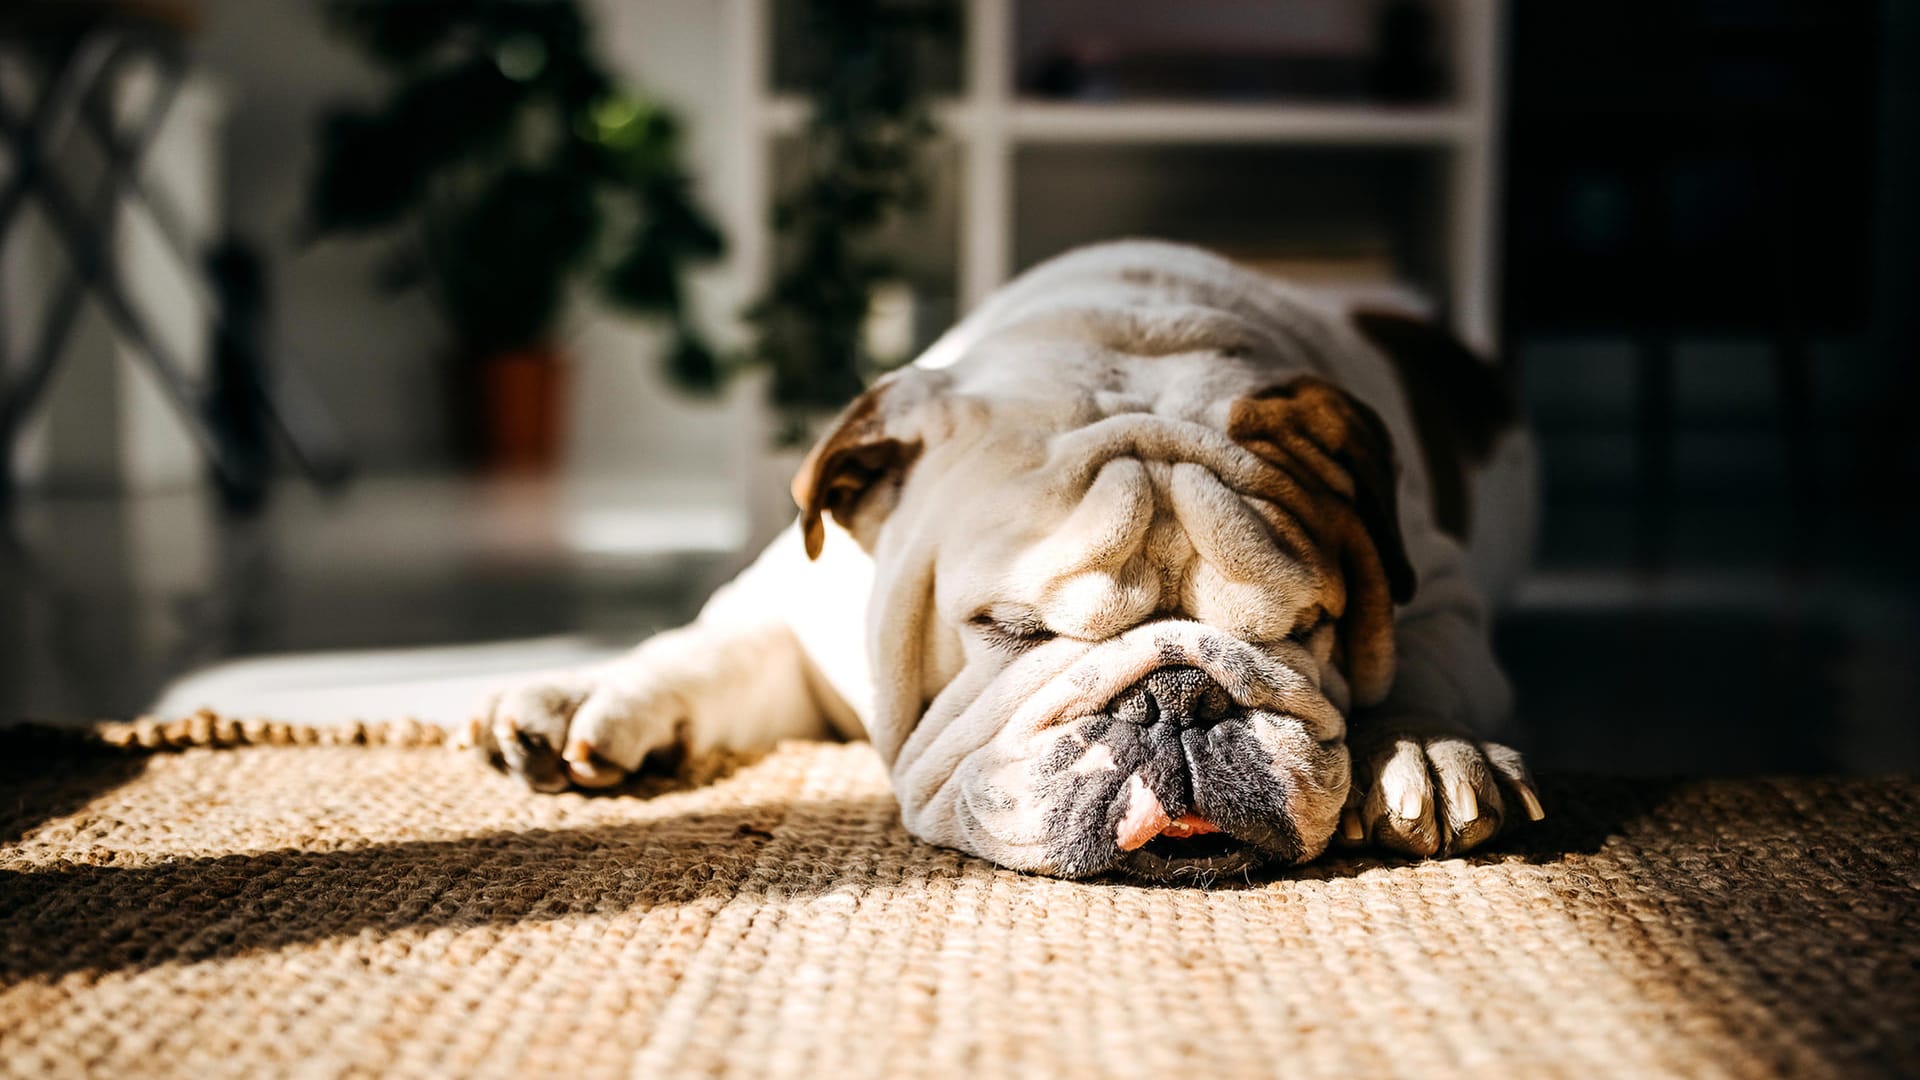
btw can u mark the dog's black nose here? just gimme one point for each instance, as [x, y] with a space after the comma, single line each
[1183, 696]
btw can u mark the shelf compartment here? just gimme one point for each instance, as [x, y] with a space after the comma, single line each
[1361, 221]
[1324, 51]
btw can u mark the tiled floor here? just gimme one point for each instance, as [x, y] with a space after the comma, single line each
[1722, 664]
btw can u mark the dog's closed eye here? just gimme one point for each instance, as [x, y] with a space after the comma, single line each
[1010, 628]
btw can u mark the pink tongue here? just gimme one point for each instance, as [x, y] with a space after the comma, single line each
[1146, 819]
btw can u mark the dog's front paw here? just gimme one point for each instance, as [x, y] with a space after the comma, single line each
[588, 728]
[1430, 789]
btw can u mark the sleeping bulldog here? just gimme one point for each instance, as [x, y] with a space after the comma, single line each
[1150, 565]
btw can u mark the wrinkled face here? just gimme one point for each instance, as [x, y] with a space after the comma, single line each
[1115, 616]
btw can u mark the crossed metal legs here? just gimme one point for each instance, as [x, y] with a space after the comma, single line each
[74, 94]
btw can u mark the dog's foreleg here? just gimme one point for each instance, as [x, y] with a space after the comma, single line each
[1429, 777]
[737, 678]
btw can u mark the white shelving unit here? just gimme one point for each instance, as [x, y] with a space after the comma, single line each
[992, 124]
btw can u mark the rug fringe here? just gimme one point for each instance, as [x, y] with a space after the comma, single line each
[207, 729]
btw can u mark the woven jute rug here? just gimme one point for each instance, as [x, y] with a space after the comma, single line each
[392, 908]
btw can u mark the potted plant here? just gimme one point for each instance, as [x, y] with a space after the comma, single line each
[862, 167]
[511, 171]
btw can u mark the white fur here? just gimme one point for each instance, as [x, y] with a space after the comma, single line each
[1074, 462]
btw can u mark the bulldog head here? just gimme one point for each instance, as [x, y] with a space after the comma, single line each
[1126, 588]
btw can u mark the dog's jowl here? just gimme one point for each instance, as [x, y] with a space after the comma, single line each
[1138, 569]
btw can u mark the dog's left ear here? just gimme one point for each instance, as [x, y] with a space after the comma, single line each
[1335, 475]
[865, 454]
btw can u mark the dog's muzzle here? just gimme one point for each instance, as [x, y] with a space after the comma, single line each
[1173, 750]
[1154, 721]
[1212, 758]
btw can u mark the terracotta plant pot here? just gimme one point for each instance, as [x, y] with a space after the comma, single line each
[523, 397]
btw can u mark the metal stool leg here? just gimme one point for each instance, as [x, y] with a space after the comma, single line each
[49, 122]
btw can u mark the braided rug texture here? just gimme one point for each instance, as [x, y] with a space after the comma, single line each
[393, 908]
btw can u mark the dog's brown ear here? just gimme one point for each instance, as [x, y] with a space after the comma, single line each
[1334, 478]
[1461, 405]
[866, 451]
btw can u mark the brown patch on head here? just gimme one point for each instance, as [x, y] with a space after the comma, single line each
[1333, 485]
[1460, 405]
[855, 458]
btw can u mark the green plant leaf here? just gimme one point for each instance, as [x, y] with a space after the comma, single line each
[692, 365]
[457, 112]
[644, 281]
[518, 167]
[509, 253]
[679, 226]
[349, 188]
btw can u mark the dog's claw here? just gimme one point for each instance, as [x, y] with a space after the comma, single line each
[1351, 828]
[1410, 804]
[1466, 805]
[1531, 801]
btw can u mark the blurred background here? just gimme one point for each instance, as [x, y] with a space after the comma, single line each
[433, 341]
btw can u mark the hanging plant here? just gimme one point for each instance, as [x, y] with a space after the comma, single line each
[511, 168]
[861, 166]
